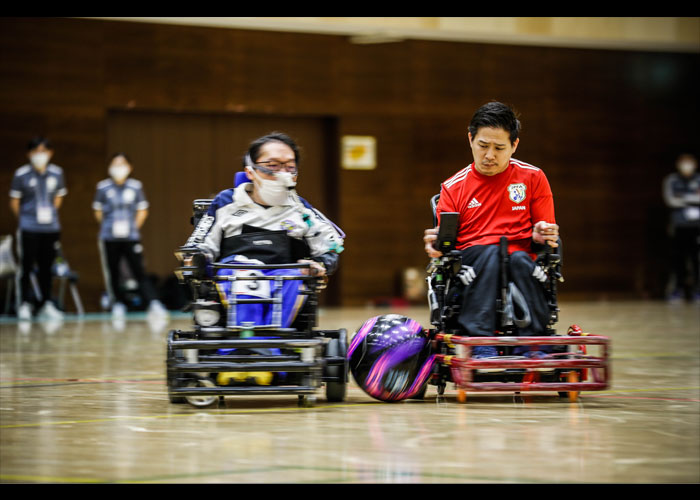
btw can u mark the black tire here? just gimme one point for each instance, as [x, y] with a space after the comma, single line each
[336, 389]
[173, 355]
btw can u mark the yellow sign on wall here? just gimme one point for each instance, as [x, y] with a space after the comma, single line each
[359, 152]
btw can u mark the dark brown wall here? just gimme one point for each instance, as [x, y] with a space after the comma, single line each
[604, 125]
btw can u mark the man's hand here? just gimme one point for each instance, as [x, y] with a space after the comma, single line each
[315, 268]
[544, 232]
[429, 238]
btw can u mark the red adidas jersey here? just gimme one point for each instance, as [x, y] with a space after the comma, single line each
[507, 204]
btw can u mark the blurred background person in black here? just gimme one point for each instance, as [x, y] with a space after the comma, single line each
[36, 194]
[681, 192]
[121, 208]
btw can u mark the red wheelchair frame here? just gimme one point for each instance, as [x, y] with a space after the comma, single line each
[573, 368]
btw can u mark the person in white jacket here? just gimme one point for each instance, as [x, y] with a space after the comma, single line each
[264, 220]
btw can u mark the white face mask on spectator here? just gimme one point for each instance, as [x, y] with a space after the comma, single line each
[274, 191]
[39, 160]
[119, 172]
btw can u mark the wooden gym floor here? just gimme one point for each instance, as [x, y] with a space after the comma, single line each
[85, 402]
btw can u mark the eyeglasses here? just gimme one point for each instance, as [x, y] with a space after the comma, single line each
[272, 167]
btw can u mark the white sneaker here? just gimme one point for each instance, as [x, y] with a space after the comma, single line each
[155, 308]
[49, 311]
[25, 312]
[118, 310]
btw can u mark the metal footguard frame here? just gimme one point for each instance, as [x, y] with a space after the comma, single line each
[462, 365]
[307, 345]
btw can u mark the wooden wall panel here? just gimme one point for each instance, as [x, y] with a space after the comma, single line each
[604, 125]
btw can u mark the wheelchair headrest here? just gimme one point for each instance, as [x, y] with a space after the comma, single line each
[240, 178]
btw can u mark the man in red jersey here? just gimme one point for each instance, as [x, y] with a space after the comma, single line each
[497, 196]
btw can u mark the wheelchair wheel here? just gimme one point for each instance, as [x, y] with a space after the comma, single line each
[173, 356]
[171, 384]
[201, 401]
[336, 390]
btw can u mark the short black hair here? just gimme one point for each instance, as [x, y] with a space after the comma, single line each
[497, 115]
[37, 141]
[254, 148]
[117, 155]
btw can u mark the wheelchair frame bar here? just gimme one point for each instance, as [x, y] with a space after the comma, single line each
[540, 340]
[294, 265]
[228, 358]
[263, 366]
[584, 362]
[204, 366]
[257, 328]
[219, 331]
[261, 278]
[182, 270]
[245, 343]
[251, 390]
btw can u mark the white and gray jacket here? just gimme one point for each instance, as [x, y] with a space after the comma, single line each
[233, 209]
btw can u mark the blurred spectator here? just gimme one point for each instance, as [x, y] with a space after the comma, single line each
[121, 208]
[36, 194]
[681, 192]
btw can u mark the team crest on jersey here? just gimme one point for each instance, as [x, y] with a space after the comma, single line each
[516, 192]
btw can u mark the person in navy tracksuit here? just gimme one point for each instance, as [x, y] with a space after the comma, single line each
[121, 208]
[36, 194]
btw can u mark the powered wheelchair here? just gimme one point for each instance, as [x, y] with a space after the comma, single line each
[392, 357]
[223, 354]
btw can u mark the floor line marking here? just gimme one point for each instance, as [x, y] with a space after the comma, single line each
[195, 413]
[370, 474]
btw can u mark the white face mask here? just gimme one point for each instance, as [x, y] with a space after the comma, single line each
[39, 160]
[687, 167]
[274, 191]
[119, 172]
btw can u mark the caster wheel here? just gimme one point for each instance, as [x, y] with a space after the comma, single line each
[201, 401]
[307, 401]
[461, 396]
